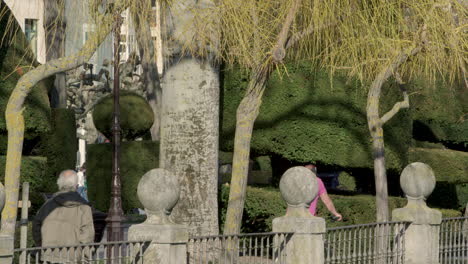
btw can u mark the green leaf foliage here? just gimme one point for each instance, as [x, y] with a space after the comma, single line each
[262, 205]
[136, 159]
[136, 115]
[448, 165]
[60, 144]
[33, 170]
[308, 116]
[16, 58]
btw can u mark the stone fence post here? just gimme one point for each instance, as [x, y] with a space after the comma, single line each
[422, 237]
[299, 187]
[158, 191]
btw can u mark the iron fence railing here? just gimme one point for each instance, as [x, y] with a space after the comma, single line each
[366, 243]
[241, 248]
[111, 252]
[453, 240]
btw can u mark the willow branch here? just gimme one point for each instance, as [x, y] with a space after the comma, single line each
[397, 107]
[279, 51]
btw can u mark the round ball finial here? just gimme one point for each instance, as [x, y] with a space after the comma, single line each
[417, 180]
[298, 186]
[158, 191]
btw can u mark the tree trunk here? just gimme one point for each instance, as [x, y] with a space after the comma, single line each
[54, 27]
[189, 141]
[375, 124]
[150, 68]
[15, 119]
[246, 115]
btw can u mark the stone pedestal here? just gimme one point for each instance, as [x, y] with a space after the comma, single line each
[298, 187]
[422, 236]
[6, 249]
[158, 191]
[169, 242]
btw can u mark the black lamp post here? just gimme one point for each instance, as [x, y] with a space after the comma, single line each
[115, 214]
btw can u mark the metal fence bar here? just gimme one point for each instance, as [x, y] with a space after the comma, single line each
[367, 243]
[120, 252]
[453, 240]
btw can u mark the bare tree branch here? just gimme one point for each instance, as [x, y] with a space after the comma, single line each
[279, 51]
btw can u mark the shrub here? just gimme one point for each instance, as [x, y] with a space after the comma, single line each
[347, 182]
[16, 59]
[448, 165]
[305, 118]
[33, 170]
[262, 205]
[136, 115]
[60, 145]
[136, 159]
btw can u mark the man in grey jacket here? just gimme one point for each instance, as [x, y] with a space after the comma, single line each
[64, 220]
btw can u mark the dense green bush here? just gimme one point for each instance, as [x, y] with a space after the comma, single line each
[136, 115]
[16, 59]
[448, 165]
[305, 118]
[136, 159]
[262, 205]
[60, 145]
[33, 170]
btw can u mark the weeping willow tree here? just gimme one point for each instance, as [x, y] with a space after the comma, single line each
[372, 40]
[104, 21]
[397, 41]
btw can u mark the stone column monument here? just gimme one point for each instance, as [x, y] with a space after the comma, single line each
[159, 191]
[422, 237]
[299, 187]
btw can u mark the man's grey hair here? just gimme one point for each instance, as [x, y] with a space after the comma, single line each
[68, 181]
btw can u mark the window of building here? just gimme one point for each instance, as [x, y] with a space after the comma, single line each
[30, 26]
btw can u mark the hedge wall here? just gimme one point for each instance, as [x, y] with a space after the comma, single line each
[440, 112]
[451, 171]
[16, 59]
[60, 145]
[136, 159]
[262, 205]
[33, 170]
[448, 165]
[305, 118]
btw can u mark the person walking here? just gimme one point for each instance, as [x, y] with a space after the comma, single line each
[64, 220]
[322, 193]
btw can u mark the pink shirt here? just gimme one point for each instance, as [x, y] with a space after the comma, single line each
[321, 190]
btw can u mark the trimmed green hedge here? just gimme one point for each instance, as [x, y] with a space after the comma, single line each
[136, 159]
[448, 165]
[262, 205]
[33, 170]
[136, 115]
[16, 59]
[60, 145]
[304, 118]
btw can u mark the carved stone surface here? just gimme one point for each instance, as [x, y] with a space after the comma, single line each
[417, 180]
[158, 191]
[298, 186]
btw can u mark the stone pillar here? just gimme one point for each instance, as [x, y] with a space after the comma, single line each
[299, 187]
[159, 191]
[6, 249]
[422, 237]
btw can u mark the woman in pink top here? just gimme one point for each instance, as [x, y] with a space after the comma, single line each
[322, 193]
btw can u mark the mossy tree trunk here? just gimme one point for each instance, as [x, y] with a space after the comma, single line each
[375, 124]
[246, 115]
[15, 119]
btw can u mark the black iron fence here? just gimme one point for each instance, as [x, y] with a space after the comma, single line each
[453, 240]
[366, 243]
[242, 248]
[111, 252]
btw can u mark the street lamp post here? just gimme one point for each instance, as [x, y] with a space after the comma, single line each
[115, 215]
